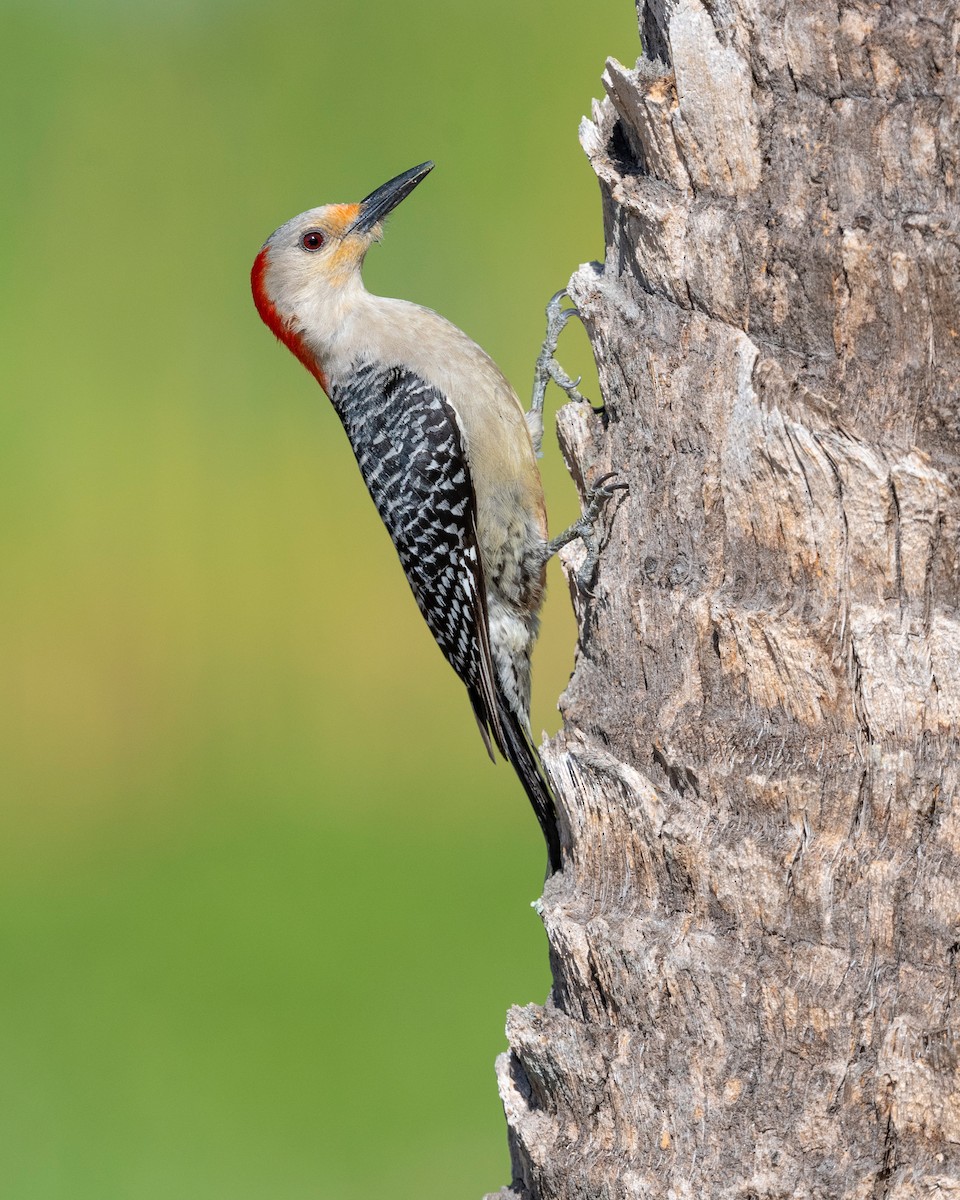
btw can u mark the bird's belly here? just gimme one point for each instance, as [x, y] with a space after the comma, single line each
[511, 549]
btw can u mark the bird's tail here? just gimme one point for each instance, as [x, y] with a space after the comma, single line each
[517, 748]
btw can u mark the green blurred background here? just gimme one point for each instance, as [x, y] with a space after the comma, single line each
[263, 901]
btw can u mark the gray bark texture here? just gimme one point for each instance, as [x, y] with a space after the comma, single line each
[755, 939]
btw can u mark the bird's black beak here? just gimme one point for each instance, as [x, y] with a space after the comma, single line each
[384, 200]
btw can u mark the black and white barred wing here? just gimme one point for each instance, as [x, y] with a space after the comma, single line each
[410, 451]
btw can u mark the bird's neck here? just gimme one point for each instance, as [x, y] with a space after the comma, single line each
[327, 317]
[312, 323]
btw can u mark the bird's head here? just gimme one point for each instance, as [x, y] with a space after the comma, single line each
[315, 258]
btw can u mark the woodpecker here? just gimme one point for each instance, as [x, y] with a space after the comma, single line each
[446, 452]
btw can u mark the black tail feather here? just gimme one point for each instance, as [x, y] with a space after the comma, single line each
[519, 752]
[513, 741]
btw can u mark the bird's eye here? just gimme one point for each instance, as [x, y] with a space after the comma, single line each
[312, 240]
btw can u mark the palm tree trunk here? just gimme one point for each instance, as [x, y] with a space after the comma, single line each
[755, 939]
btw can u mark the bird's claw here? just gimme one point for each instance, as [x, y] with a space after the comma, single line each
[585, 528]
[547, 368]
[557, 315]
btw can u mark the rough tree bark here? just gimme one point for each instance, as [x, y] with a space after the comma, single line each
[755, 940]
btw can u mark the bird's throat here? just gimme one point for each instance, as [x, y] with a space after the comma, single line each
[290, 337]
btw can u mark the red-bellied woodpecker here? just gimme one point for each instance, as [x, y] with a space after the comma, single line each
[446, 452]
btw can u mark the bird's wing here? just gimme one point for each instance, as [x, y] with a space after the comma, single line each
[410, 450]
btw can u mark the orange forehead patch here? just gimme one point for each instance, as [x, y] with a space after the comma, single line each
[341, 216]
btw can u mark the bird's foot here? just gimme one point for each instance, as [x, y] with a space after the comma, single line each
[547, 368]
[585, 528]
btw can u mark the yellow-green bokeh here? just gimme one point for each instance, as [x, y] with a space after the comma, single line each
[263, 900]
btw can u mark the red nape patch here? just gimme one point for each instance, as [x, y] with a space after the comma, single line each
[276, 324]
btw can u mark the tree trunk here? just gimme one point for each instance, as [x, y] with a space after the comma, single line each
[755, 939]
